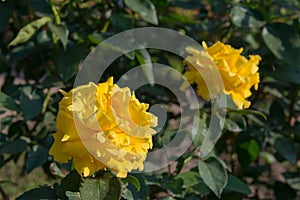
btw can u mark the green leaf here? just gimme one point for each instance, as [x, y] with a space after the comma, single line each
[202, 129]
[286, 147]
[31, 102]
[166, 137]
[193, 183]
[60, 31]
[267, 157]
[124, 22]
[214, 174]
[174, 18]
[73, 195]
[28, 31]
[292, 179]
[7, 103]
[188, 4]
[236, 185]
[218, 6]
[248, 112]
[104, 188]
[13, 147]
[36, 157]
[174, 185]
[199, 188]
[247, 152]
[44, 192]
[127, 194]
[132, 180]
[144, 59]
[17, 129]
[289, 73]
[145, 8]
[283, 41]
[211, 137]
[175, 63]
[144, 190]
[189, 178]
[277, 114]
[68, 60]
[21, 51]
[167, 183]
[91, 189]
[284, 191]
[40, 6]
[235, 123]
[43, 38]
[252, 147]
[69, 183]
[244, 17]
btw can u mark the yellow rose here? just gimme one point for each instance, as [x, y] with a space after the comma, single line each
[238, 73]
[114, 126]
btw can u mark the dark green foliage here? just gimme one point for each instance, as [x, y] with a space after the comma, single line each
[43, 43]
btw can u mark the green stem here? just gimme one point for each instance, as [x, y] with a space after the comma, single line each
[57, 20]
[56, 13]
[45, 104]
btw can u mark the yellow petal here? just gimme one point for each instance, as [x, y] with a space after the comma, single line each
[56, 149]
[103, 126]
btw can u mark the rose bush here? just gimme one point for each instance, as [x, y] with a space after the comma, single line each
[42, 46]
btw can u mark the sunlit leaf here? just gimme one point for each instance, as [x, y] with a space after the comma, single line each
[244, 17]
[106, 187]
[73, 195]
[284, 42]
[28, 31]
